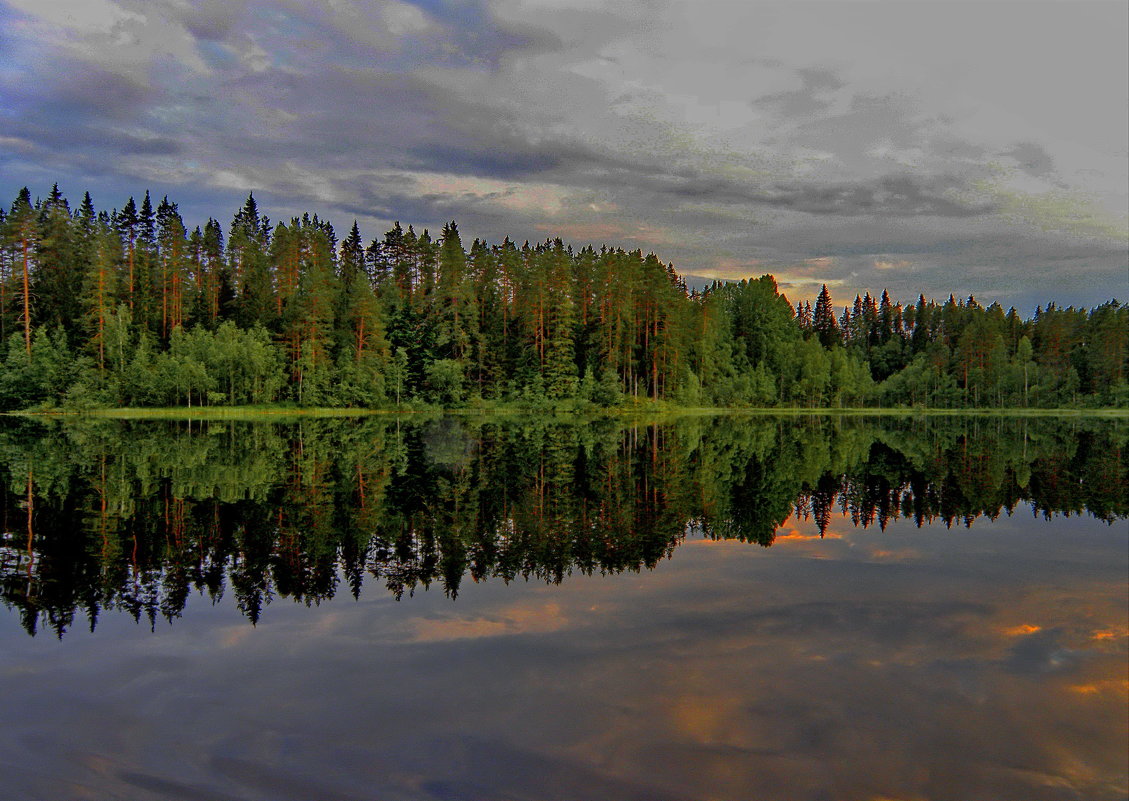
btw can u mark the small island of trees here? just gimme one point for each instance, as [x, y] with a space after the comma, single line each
[129, 308]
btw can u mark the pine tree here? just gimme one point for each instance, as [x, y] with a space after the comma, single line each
[127, 224]
[172, 261]
[99, 287]
[20, 237]
[212, 281]
[314, 319]
[362, 362]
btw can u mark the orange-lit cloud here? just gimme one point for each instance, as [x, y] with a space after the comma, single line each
[794, 535]
[705, 718]
[516, 619]
[800, 280]
[234, 636]
[1108, 634]
[1120, 686]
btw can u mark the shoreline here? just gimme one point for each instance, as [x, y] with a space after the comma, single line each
[253, 412]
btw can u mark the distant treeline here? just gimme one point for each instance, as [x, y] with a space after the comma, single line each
[129, 308]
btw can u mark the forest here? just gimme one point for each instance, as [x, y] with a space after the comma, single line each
[128, 308]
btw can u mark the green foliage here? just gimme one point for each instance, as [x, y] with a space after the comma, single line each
[135, 515]
[43, 377]
[153, 315]
[444, 382]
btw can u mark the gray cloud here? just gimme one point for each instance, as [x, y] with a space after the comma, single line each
[636, 125]
[807, 101]
[895, 195]
[211, 20]
[1032, 159]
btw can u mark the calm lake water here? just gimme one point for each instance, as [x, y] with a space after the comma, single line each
[451, 609]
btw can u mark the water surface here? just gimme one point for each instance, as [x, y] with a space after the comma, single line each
[717, 608]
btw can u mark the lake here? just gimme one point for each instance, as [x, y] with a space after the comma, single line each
[465, 608]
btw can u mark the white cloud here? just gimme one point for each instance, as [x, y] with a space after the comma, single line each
[532, 198]
[892, 264]
[403, 19]
[83, 16]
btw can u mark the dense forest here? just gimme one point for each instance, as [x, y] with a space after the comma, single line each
[137, 517]
[129, 308]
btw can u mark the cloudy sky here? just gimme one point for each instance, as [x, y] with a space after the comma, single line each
[928, 147]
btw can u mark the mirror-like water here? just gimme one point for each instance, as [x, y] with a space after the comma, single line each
[458, 609]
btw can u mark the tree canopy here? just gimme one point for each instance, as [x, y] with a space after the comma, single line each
[129, 307]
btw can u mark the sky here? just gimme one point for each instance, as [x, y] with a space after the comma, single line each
[925, 147]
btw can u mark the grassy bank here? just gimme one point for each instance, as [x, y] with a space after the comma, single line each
[203, 413]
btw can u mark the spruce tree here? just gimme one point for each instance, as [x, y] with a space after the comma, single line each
[60, 263]
[823, 319]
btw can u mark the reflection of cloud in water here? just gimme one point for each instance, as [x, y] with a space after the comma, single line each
[894, 555]
[954, 677]
[795, 535]
[235, 636]
[1113, 686]
[989, 666]
[510, 620]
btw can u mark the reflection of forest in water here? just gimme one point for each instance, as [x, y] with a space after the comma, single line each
[101, 515]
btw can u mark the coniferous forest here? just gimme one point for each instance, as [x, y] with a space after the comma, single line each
[129, 308]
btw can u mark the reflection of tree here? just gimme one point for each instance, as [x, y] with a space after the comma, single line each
[139, 517]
